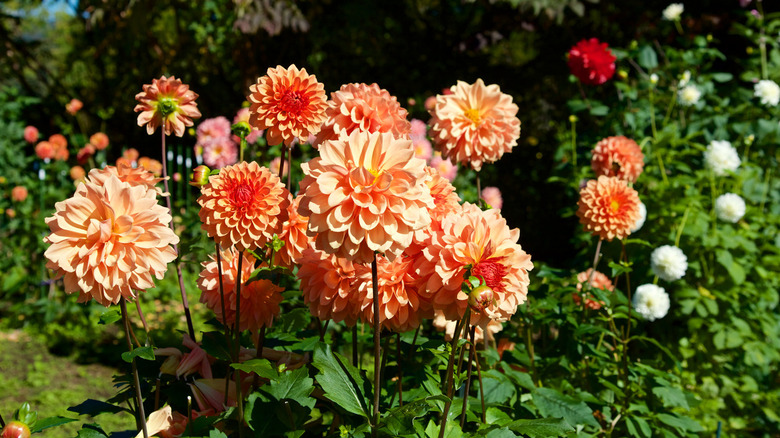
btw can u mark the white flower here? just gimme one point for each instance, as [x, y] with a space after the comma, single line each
[685, 78]
[653, 78]
[668, 263]
[721, 158]
[689, 95]
[730, 207]
[673, 11]
[768, 92]
[642, 216]
[651, 301]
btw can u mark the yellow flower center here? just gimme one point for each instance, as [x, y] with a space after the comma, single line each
[614, 205]
[473, 115]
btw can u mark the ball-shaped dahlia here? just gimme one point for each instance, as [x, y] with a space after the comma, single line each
[365, 108]
[329, 286]
[401, 307]
[482, 241]
[294, 236]
[721, 157]
[651, 301]
[475, 124]
[608, 207]
[668, 262]
[289, 103]
[618, 156]
[259, 299]
[169, 103]
[365, 193]
[109, 239]
[244, 205]
[592, 62]
[730, 207]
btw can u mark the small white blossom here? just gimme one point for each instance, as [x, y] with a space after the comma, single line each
[653, 78]
[673, 11]
[768, 91]
[685, 78]
[721, 158]
[668, 263]
[730, 207]
[641, 219]
[689, 95]
[651, 301]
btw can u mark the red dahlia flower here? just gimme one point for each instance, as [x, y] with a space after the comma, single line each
[592, 62]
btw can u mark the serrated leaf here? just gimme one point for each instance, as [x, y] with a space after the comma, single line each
[141, 353]
[214, 344]
[552, 403]
[501, 433]
[95, 407]
[341, 382]
[294, 385]
[636, 425]
[541, 427]
[400, 420]
[261, 367]
[109, 317]
[293, 321]
[498, 387]
[50, 422]
[671, 397]
[684, 423]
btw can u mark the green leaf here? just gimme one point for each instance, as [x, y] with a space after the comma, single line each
[736, 271]
[95, 407]
[91, 431]
[684, 423]
[294, 385]
[50, 422]
[109, 317]
[541, 427]
[552, 403]
[671, 397]
[498, 387]
[638, 427]
[214, 344]
[599, 110]
[216, 433]
[142, 353]
[500, 433]
[619, 268]
[341, 381]
[722, 77]
[647, 57]
[400, 420]
[261, 367]
[293, 321]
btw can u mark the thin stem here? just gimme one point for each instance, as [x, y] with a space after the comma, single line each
[377, 353]
[472, 352]
[596, 258]
[449, 381]
[627, 330]
[661, 167]
[573, 141]
[354, 346]
[585, 97]
[414, 341]
[221, 290]
[141, 415]
[529, 345]
[671, 106]
[281, 164]
[241, 149]
[185, 303]
[481, 391]
[479, 191]
[289, 172]
[239, 398]
[767, 184]
[143, 318]
[323, 329]
[400, 370]
[681, 227]
[259, 353]
[652, 113]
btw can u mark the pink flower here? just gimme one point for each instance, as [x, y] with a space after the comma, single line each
[212, 129]
[31, 134]
[44, 150]
[419, 130]
[220, 152]
[73, 106]
[422, 149]
[492, 196]
[444, 166]
[99, 140]
[276, 165]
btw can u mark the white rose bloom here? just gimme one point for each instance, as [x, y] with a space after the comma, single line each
[651, 301]
[689, 95]
[673, 11]
[730, 207]
[721, 158]
[642, 216]
[668, 263]
[768, 92]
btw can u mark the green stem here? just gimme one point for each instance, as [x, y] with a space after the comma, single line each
[573, 141]
[139, 399]
[661, 167]
[681, 227]
[237, 351]
[671, 106]
[449, 381]
[377, 353]
[652, 114]
[472, 351]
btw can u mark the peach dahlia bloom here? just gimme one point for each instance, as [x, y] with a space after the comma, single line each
[365, 108]
[608, 207]
[483, 241]
[476, 124]
[259, 299]
[99, 140]
[365, 193]
[244, 205]
[289, 103]
[618, 156]
[19, 193]
[109, 239]
[294, 236]
[44, 150]
[135, 176]
[329, 286]
[169, 103]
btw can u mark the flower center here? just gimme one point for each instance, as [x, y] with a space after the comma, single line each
[493, 273]
[294, 102]
[473, 115]
[166, 106]
[242, 195]
[614, 205]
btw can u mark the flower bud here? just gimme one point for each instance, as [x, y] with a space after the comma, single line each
[15, 429]
[241, 129]
[200, 176]
[622, 74]
[653, 78]
[480, 297]
[573, 118]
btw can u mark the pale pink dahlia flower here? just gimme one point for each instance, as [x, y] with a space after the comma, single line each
[220, 152]
[444, 166]
[213, 128]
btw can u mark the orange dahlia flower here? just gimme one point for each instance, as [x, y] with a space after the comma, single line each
[135, 176]
[365, 193]
[401, 307]
[618, 156]
[169, 103]
[294, 237]
[608, 207]
[289, 103]
[109, 239]
[597, 281]
[44, 150]
[244, 205]
[99, 140]
[476, 124]
[445, 202]
[329, 286]
[259, 299]
[363, 107]
[482, 241]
